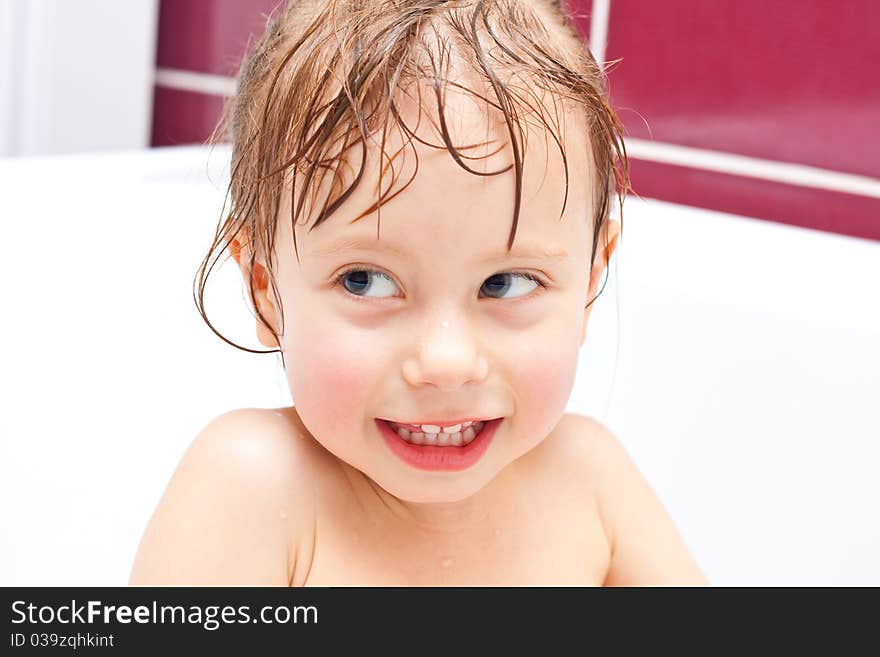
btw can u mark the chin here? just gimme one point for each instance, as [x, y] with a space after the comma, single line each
[435, 488]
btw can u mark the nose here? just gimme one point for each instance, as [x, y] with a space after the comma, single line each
[447, 356]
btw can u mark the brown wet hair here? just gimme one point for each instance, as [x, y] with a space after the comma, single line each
[326, 77]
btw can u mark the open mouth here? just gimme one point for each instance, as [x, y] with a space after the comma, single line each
[434, 447]
[457, 435]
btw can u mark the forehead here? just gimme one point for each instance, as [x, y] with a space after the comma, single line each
[445, 208]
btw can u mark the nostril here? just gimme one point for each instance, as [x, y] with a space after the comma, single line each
[447, 361]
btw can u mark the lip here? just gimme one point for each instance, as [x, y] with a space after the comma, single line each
[439, 423]
[434, 457]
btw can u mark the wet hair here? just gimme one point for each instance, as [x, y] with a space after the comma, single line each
[326, 78]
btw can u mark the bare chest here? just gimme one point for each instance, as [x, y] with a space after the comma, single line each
[552, 537]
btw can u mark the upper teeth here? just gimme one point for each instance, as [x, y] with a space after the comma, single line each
[433, 428]
[432, 434]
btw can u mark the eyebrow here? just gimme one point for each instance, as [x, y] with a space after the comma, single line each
[525, 251]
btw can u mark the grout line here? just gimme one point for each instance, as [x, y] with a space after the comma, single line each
[215, 85]
[599, 30]
[752, 167]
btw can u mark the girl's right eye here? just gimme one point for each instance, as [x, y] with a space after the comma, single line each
[358, 281]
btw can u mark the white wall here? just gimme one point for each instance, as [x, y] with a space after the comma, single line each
[76, 76]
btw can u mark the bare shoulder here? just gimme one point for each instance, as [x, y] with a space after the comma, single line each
[575, 441]
[590, 443]
[237, 508]
[646, 547]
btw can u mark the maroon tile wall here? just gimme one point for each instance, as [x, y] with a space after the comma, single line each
[208, 36]
[792, 81]
[183, 117]
[848, 214]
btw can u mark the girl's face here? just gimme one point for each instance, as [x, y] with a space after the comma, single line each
[435, 321]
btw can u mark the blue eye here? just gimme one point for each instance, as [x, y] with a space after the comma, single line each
[498, 284]
[357, 281]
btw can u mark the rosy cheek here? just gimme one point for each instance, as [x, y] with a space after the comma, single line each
[331, 376]
[546, 377]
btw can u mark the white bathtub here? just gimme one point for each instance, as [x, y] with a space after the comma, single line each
[738, 361]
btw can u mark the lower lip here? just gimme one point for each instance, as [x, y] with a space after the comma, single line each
[434, 457]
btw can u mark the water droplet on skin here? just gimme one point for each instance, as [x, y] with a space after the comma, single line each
[283, 515]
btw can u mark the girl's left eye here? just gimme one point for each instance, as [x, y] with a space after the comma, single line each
[498, 284]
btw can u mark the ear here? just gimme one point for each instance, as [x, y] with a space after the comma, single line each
[605, 248]
[261, 298]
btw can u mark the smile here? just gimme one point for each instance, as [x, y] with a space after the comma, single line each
[456, 435]
[441, 449]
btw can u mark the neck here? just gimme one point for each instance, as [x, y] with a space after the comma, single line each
[473, 513]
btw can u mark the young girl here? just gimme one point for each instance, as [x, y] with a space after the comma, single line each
[421, 195]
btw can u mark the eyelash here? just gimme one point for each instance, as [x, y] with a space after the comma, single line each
[337, 282]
